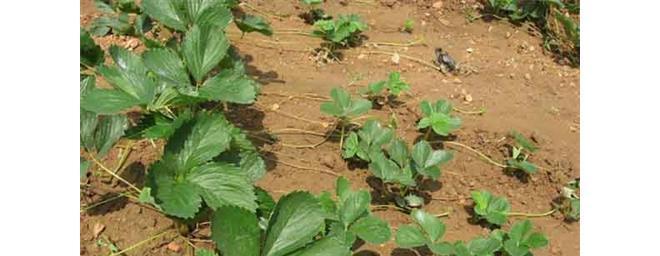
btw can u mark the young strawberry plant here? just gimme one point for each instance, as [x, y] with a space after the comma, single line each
[393, 87]
[404, 169]
[368, 141]
[520, 239]
[344, 108]
[121, 17]
[438, 118]
[345, 31]
[350, 216]
[427, 230]
[518, 158]
[495, 210]
[569, 201]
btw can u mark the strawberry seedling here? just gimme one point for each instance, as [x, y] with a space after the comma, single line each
[368, 141]
[313, 12]
[345, 31]
[393, 87]
[344, 109]
[518, 158]
[437, 118]
[351, 217]
[408, 26]
[491, 208]
[426, 231]
[520, 239]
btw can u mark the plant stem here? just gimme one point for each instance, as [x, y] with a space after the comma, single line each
[102, 202]
[478, 112]
[410, 58]
[141, 243]
[444, 214]
[427, 134]
[303, 167]
[97, 162]
[532, 215]
[341, 137]
[476, 152]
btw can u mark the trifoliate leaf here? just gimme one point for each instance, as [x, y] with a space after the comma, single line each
[251, 23]
[342, 106]
[168, 66]
[202, 49]
[372, 230]
[491, 208]
[409, 236]
[222, 185]
[297, 218]
[171, 13]
[395, 85]
[235, 231]
[129, 75]
[433, 227]
[230, 85]
[90, 53]
[389, 171]
[327, 246]
[521, 239]
[438, 117]
[427, 160]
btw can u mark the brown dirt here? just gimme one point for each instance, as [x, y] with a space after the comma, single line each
[521, 87]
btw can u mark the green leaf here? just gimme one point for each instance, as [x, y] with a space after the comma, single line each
[493, 209]
[536, 240]
[205, 252]
[100, 133]
[442, 248]
[350, 147]
[342, 106]
[338, 231]
[168, 12]
[90, 53]
[432, 226]
[145, 197]
[178, 199]
[342, 188]
[327, 246]
[413, 200]
[376, 88]
[252, 165]
[129, 74]
[520, 230]
[202, 50]
[574, 213]
[235, 231]
[354, 206]
[164, 128]
[484, 246]
[106, 102]
[409, 236]
[297, 218]
[328, 205]
[251, 23]
[398, 151]
[514, 249]
[523, 142]
[230, 85]
[522, 165]
[168, 66]
[199, 140]
[372, 230]
[222, 184]
[438, 117]
[395, 85]
[265, 202]
[427, 161]
[389, 171]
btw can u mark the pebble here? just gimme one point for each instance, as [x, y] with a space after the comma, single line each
[444, 22]
[528, 76]
[470, 50]
[172, 246]
[437, 5]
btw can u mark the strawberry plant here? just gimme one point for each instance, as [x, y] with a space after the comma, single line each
[344, 31]
[350, 216]
[403, 169]
[427, 230]
[479, 246]
[394, 86]
[437, 118]
[569, 201]
[121, 17]
[344, 108]
[518, 158]
[520, 239]
[368, 141]
[490, 208]
[408, 26]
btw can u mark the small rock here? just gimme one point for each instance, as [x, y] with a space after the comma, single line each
[457, 81]
[508, 35]
[444, 22]
[512, 75]
[528, 76]
[275, 106]
[470, 50]
[98, 228]
[437, 5]
[172, 246]
[361, 56]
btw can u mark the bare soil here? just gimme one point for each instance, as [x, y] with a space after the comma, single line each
[508, 74]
